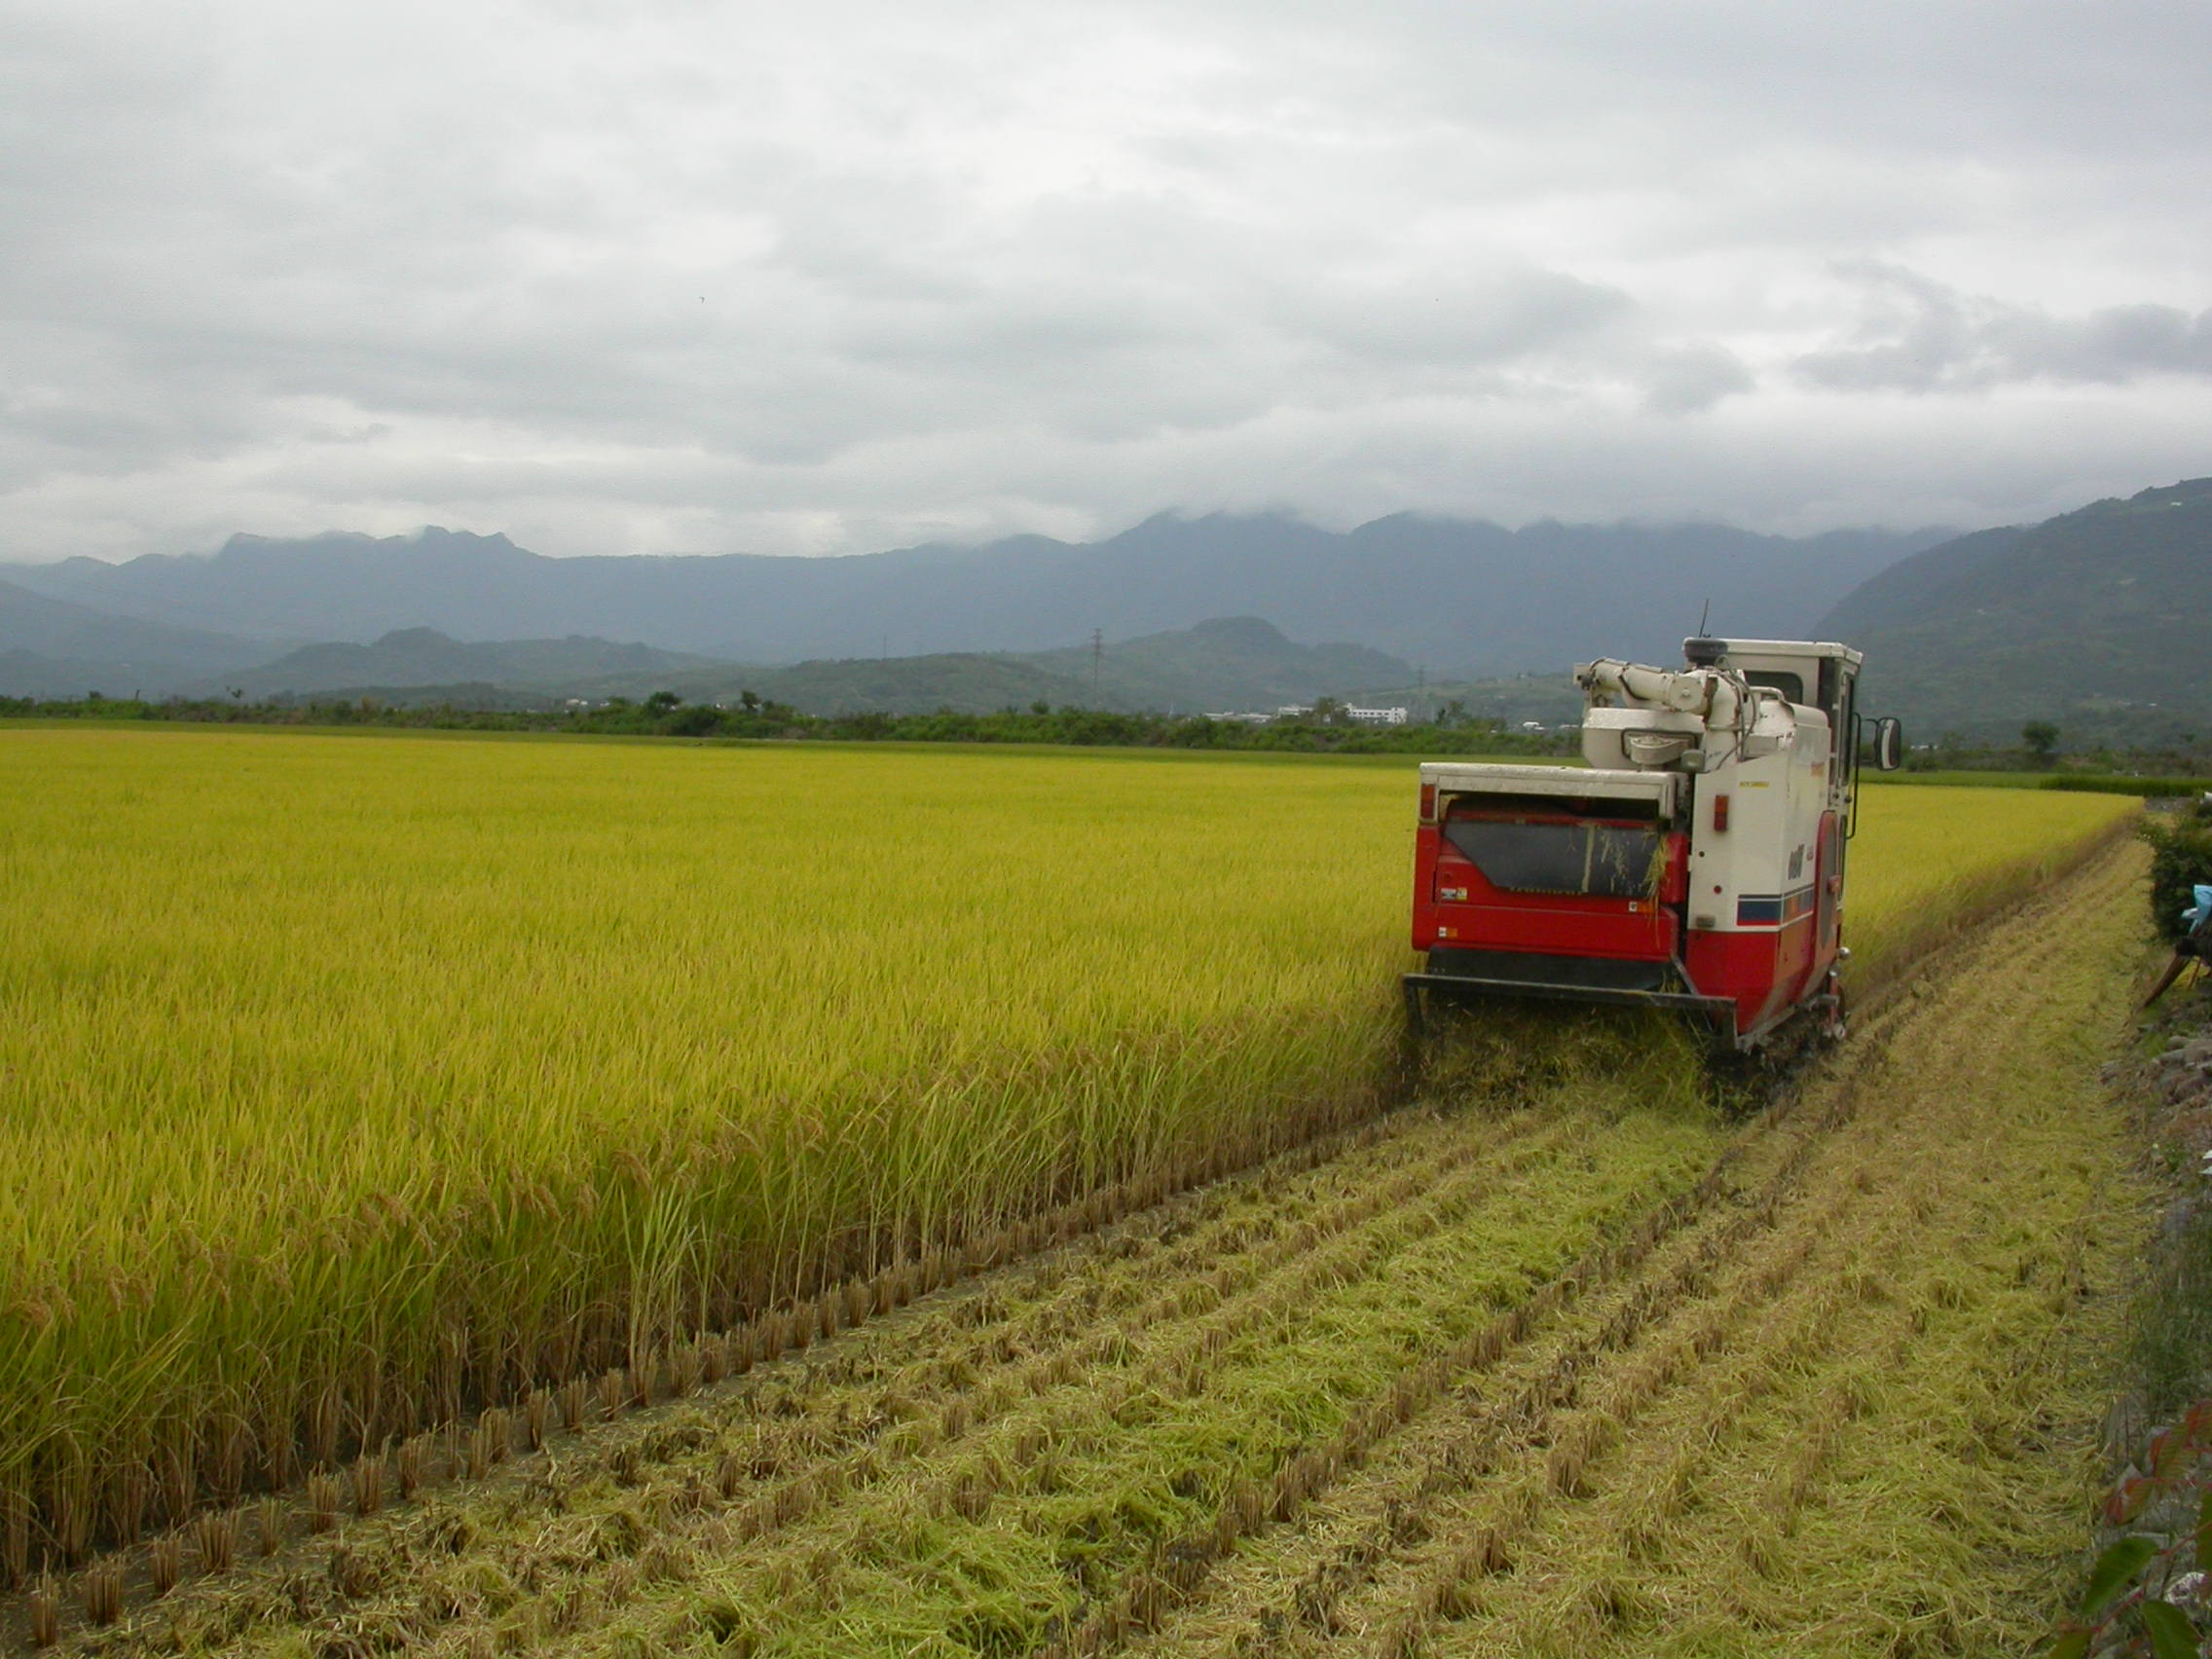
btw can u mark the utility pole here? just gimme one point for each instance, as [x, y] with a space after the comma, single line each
[1421, 691]
[1098, 659]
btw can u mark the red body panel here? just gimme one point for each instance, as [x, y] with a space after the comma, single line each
[1488, 918]
[1764, 971]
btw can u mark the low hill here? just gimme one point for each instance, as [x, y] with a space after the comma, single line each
[54, 647]
[965, 683]
[415, 657]
[1223, 663]
[2099, 622]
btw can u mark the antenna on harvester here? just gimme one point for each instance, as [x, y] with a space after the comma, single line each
[1700, 618]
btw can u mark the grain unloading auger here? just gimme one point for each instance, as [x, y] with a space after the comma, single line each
[1696, 863]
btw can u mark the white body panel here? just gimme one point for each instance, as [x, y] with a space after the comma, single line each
[1663, 789]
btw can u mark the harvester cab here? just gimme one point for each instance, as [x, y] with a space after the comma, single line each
[1696, 863]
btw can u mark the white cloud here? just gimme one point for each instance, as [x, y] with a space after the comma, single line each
[645, 276]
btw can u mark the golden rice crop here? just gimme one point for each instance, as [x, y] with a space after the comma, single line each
[349, 1085]
[1927, 857]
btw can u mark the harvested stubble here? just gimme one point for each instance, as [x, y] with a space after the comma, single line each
[1040, 1503]
[1532, 1414]
[449, 1070]
[1891, 1458]
[1920, 1487]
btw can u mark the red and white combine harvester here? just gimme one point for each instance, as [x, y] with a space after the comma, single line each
[1696, 863]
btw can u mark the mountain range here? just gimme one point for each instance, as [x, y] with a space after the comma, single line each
[1457, 597]
[2098, 620]
[2092, 619]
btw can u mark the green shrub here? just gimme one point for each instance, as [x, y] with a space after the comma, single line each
[2180, 857]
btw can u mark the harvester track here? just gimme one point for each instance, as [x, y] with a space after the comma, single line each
[1450, 1390]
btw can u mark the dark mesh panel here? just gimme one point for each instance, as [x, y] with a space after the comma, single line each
[1599, 859]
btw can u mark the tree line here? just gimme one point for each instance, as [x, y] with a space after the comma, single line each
[1325, 729]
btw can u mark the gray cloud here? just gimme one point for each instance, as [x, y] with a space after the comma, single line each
[1922, 337]
[681, 276]
[1691, 378]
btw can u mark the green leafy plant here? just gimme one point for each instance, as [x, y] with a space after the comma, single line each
[2118, 1598]
[2180, 857]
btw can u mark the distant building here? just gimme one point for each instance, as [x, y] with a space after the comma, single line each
[1378, 716]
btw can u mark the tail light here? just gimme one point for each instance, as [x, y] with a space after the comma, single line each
[1428, 804]
[1720, 812]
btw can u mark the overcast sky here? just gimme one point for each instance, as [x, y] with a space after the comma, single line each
[652, 276]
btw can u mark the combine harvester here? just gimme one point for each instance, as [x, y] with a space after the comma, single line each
[1696, 864]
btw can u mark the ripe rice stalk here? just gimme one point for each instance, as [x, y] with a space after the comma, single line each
[15, 1535]
[416, 1158]
[232, 1443]
[73, 1514]
[324, 1420]
[127, 1493]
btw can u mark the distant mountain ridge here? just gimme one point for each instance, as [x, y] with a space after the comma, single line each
[54, 647]
[2098, 620]
[2094, 619]
[1461, 598]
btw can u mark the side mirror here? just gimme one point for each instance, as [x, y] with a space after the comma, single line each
[1889, 744]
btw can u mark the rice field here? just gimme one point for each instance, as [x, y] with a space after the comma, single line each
[349, 1086]
[1569, 1371]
